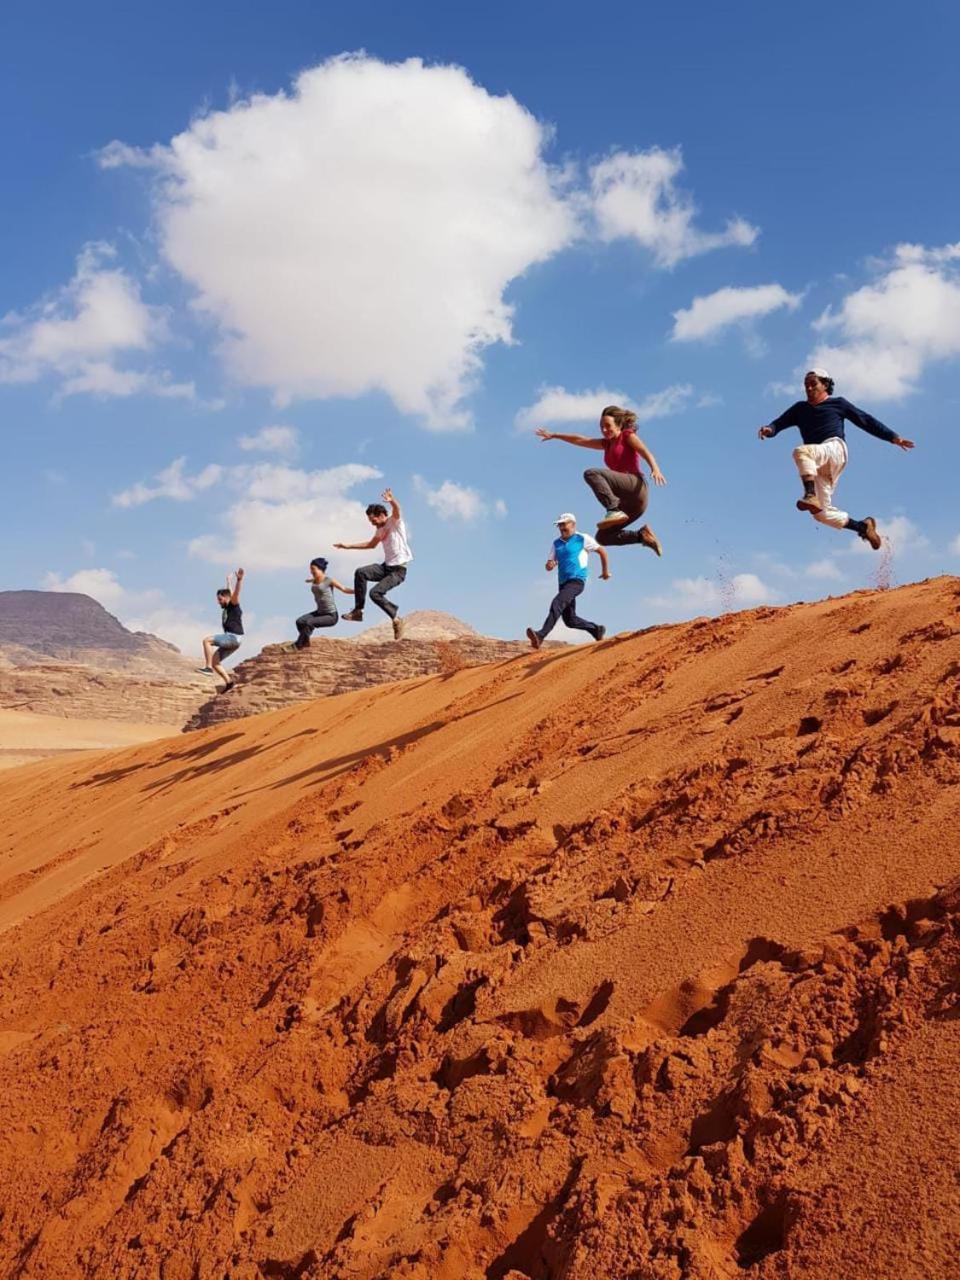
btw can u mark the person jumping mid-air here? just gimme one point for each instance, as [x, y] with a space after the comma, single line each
[569, 556]
[619, 485]
[227, 641]
[823, 455]
[392, 532]
[325, 613]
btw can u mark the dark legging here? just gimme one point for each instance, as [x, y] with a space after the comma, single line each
[619, 491]
[564, 605]
[308, 622]
[386, 576]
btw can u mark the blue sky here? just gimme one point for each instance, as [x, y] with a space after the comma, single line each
[215, 224]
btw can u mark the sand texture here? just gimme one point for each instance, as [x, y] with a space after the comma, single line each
[636, 961]
[26, 738]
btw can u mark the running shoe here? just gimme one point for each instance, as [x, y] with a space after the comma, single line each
[399, 626]
[870, 533]
[613, 517]
[355, 615]
[533, 638]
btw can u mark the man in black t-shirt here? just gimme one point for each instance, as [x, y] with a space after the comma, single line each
[823, 455]
[227, 640]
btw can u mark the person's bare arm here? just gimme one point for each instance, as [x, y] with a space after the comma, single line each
[604, 563]
[387, 496]
[357, 546]
[347, 591]
[238, 583]
[638, 446]
[585, 442]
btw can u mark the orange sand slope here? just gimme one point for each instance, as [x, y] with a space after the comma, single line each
[638, 961]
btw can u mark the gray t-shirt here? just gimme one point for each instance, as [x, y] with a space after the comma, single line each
[323, 595]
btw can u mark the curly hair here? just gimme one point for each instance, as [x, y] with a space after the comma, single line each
[625, 419]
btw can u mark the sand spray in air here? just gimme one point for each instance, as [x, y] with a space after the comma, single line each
[882, 576]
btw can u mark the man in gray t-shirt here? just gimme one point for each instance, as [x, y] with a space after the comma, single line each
[325, 612]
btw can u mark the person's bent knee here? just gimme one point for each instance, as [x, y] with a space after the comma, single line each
[825, 517]
[803, 453]
[591, 473]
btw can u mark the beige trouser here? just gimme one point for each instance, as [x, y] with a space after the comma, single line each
[823, 463]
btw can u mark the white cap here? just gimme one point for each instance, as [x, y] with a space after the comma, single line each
[821, 373]
[567, 515]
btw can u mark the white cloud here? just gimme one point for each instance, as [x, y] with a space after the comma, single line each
[825, 569]
[715, 595]
[709, 314]
[77, 333]
[635, 195]
[883, 335]
[102, 584]
[359, 232]
[283, 516]
[557, 405]
[453, 501]
[955, 545]
[900, 532]
[172, 483]
[276, 439]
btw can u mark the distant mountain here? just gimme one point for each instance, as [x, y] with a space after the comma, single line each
[422, 624]
[66, 626]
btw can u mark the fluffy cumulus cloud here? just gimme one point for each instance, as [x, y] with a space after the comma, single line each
[358, 233]
[172, 482]
[282, 516]
[556, 405]
[635, 196]
[882, 336]
[275, 439]
[102, 584]
[78, 334]
[902, 535]
[824, 570]
[452, 501]
[719, 594]
[713, 312]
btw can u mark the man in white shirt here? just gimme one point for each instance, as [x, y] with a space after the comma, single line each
[392, 532]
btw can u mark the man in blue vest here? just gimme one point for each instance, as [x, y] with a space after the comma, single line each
[569, 555]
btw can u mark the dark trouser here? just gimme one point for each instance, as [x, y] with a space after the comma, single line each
[386, 576]
[564, 605]
[618, 491]
[308, 622]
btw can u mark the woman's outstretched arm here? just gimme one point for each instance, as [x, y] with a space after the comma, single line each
[585, 442]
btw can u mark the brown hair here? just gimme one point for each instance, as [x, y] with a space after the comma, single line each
[625, 419]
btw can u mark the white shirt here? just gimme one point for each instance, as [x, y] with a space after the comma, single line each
[393, 535]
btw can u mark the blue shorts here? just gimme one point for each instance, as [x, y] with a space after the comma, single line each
[227, 641]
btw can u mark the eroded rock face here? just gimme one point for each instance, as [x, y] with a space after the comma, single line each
[81, 693]
[279, 676]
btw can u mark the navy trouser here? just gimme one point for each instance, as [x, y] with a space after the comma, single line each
[386, 576]
[308, 622]
[564, 605]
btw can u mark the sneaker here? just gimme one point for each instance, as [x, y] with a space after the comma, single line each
[533, 638]
[649, 539]
[870, 533]
[613, 517]
[601, 632]
[399, 626]
[809, 503]
[355, 615]
[204, 671]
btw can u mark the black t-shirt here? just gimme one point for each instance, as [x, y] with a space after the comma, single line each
[233, 619]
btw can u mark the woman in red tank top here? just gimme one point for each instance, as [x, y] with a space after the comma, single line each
[620, 485]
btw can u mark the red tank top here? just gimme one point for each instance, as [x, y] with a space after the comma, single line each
[619, 456]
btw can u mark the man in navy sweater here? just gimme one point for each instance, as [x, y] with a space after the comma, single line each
[823, 455]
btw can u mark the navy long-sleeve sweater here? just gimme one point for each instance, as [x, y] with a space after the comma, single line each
[824, 421]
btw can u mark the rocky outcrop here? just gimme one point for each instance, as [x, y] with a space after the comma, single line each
[280, 675]
[66, 626]
[80, 693]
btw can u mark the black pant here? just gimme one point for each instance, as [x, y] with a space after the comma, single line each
[308, 622]
[618, 491]
[386, 576]
[564, 605]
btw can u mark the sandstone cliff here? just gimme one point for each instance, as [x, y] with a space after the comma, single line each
[279, 675]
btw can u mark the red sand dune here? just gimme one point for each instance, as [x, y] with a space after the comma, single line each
[640, 961]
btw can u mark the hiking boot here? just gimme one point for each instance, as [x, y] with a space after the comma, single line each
[870, 533]
[601, 632]
[355, 615]
[613, 517]
[534, 639]
[399, 626]
[809, 503]
[649, 539]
